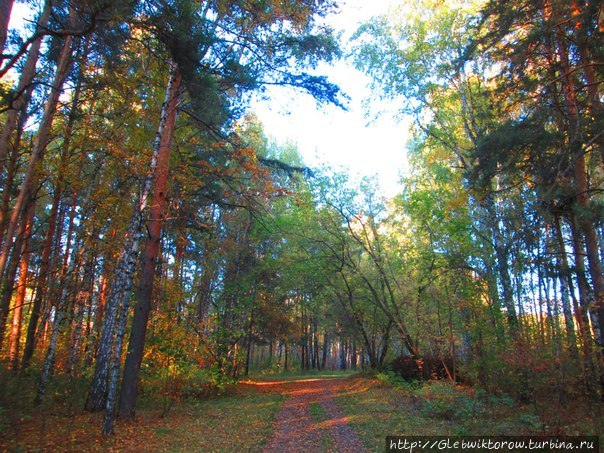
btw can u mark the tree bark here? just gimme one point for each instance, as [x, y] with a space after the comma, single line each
[15, 333]
[68, 273]
[568, 292]
[39, 147]
[9, 279]
[24, 87]
[163, 143]
[6, 7]
[117, 299]
[42, 280]
[593, 251]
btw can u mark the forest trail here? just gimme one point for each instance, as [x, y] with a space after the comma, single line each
[309, 419]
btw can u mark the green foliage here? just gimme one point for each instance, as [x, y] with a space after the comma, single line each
[448, 401]
[477, 265]
[396, 381]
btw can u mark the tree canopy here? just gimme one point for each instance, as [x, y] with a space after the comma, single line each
[152, 234]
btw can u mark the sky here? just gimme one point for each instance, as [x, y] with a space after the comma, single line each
[351, 140]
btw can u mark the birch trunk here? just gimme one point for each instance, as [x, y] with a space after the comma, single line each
[118, 297]
[163, 144]
[110, 343]
[68, 271]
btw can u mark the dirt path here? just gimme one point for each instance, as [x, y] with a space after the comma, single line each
[309, 420]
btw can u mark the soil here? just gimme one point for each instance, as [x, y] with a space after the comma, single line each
[309, 420]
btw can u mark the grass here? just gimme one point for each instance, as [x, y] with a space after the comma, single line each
[319, 415]
[241, 421]
[377, 409]
[317, 412]
[299, 375]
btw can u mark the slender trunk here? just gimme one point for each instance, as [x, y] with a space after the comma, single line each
[9, 278]
[68, 272]
[385, 342]
[591, 242]
[100, 309]
[568, 291]
[77, 319]
[114, 369]
[286, 363]
[6, 7]
[11, 172]
[15, 333]
[250, 339]
[117, 299]
[39, 147]
[40, 290]
[324, 354]
[25, 80]
[49, 359]
[502, 263]
[163, 144]
[117, 303]
[579, 259]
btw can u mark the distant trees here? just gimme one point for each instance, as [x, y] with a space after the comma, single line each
[90, 186]
[132, 174]
[506, 106]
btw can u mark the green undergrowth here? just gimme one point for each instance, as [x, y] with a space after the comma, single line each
[319, 416]
[237, 418]
[235, 422]
[299, 375]
[386, 405]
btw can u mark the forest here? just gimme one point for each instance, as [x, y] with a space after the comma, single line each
[160, 253]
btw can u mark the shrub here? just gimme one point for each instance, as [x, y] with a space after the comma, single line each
[450, 401]
[427, 368]
[395, 380]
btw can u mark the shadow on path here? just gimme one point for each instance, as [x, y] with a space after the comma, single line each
[309, 420]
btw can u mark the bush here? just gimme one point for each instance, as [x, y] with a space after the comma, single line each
[395, 380]
[424, 369]
[450, 401]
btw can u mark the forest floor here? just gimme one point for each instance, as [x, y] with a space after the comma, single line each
[309, 419]
[324, 412]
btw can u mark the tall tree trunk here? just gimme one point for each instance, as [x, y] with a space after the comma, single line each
[502, 263]
[117, 303]
[324, 353]
[568, 290]
[9, 278]
[41, 286]
[43, 274]
[114, 369]
[68, 274]
[15, 333]
[163, 143]
[591, 242]
[24, 88]
[6, 7]
[39, 147]
[117, 300]
[250, 342]
[582, 189]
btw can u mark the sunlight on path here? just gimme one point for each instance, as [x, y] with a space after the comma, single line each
[310, 419]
